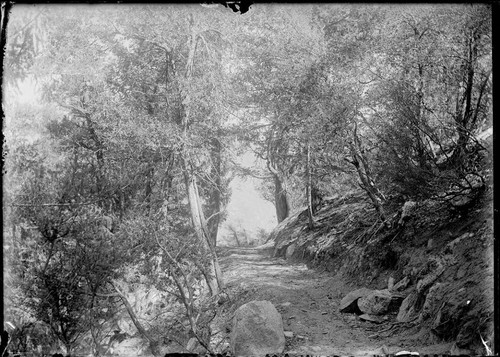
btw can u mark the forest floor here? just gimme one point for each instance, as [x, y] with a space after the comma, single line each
[308, 301]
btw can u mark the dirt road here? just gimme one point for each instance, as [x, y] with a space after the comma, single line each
[308, 302]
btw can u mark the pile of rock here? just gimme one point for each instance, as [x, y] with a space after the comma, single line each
[372, 305]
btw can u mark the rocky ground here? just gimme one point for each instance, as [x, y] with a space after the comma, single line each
[308, 301]
[442, 250]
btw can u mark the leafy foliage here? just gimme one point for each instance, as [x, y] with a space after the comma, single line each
[123, 170]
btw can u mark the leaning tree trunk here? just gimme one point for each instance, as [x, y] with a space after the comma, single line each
[153, 345]
[215, 208]
[213, 275]
[235, 236]
[186, 292]
[367, 183]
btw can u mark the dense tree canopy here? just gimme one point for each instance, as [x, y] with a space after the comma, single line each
[118, 176]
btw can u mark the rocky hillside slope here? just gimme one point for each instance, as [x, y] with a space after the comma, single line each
[440, 255]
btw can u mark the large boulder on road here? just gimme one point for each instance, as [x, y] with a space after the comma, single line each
[257, 330]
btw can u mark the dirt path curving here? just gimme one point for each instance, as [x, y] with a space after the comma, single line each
[308, 302]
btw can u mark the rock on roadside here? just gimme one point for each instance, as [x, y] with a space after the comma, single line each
[349, 302]
[289, 251]
[257, 330]
[376, 303]
[401, 285]
[407, 308]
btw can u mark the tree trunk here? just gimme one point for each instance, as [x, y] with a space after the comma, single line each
[316, 197]
[214, 275]
[367, 185]
[68, 348]
[215, 194]
[186, 293]
[245, 234]
[363, 169]
[310, 213]
[469, 103]
[99, 154]
[235, 236]
[153, 344]
[280, 199]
